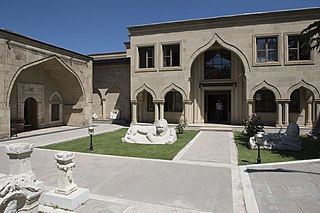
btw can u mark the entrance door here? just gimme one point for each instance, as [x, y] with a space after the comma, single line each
[30, 114]
[218, 107]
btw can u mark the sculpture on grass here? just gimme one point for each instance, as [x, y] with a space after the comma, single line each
[159, 133]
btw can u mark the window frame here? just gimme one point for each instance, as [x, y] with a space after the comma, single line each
[161, 58]
[144, 69]
[286, 50]
[204, 66]
[255, 50]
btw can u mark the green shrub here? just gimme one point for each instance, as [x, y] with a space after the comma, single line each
[253, 125]
[180, 127]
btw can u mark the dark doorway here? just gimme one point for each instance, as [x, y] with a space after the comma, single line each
[218, 107]
[30, 114]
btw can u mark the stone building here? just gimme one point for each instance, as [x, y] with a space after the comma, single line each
[244, 63]
[42, 85]
[211, 70]
[111, 85]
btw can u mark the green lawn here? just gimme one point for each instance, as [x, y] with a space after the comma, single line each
[111, 144]
[310, 149]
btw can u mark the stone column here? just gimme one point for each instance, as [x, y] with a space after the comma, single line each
[19, 159]
[286, 114]
[279, 113]
[250, 103]
[156, 111]
[187, 111]
[104, 108]
[161, 109]
[309, 114]
[134, 111]
[317, 111]
[65, 178]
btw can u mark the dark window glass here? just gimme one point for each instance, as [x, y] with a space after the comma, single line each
[294, 50]
[173, 102]
[146, 57]
[150, 104]
[171, 55]
[265, 101]
[267, 49]
[294, 104]
[217, 64]
[55, 112]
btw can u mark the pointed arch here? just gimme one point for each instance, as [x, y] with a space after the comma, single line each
[173, 86]
[38, 62]
[306, 85]
[265, 85]
[55, 94]
[146, 88]
[217, 39]
[112, 89]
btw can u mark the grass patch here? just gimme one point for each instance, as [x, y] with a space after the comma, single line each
[110, 144]
[310, 149]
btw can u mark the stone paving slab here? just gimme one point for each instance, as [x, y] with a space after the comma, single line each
[210, 146]
[293, 187]
[193, 187]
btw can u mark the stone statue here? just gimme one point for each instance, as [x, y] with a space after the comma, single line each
[160, 133]
[290, 140]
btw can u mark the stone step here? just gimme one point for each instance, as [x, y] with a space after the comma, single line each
[216, 129]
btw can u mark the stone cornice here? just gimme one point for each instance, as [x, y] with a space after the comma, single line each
[11, 36]
[227, 21]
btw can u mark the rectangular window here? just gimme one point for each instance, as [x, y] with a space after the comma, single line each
[267, 49]
[146, 57]
[55, 112]
[171, 55]
[294, 50]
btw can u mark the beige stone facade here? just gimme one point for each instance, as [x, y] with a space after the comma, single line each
[42, 85]
[111, 85]
[264, 77]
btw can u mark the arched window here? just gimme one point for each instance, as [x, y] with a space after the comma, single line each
[55, 107]
[294, 104]
[150, 104]
[217, 64]
[265, 101]
[173, 102]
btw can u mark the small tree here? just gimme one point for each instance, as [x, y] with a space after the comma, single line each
[310, 37]
[253, 125]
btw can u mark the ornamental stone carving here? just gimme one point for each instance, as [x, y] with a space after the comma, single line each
[65, 168]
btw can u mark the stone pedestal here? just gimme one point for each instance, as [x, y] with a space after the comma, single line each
[66, 196]
[21, 184]
[65, 178]
[19, 159]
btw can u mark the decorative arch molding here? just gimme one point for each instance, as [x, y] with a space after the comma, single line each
[98, 92]
[140, 89]
[113, 88]
[55, 94]
[217, 39]
[32, 64]
[173, 86]
[306, 85]
[265, 85]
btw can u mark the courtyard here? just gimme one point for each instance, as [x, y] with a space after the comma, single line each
[203, 177]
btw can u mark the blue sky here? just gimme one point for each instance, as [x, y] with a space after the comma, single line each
[99, 26]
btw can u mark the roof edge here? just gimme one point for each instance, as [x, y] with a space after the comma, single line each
[13, 36]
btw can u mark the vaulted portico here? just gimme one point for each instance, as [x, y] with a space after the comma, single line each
[45, 86]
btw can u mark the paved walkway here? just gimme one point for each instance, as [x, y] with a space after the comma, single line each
[203, 177]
